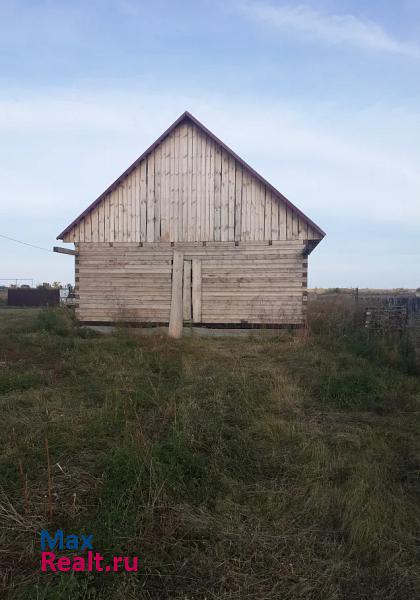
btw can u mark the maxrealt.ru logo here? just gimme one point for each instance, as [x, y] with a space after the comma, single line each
[90, 561]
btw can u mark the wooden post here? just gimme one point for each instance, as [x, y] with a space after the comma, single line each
[175, 318]
[196, 290]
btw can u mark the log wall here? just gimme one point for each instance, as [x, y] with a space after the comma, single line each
[231, 282]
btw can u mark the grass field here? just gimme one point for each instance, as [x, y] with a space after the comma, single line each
[283, 467]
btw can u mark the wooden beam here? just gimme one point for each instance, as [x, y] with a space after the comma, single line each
[175, 318]
[196, 290]
[65, 251]
[187, 291]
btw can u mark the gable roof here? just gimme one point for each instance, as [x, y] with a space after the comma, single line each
[184, 117]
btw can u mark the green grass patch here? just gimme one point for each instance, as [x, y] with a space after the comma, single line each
[283, 467]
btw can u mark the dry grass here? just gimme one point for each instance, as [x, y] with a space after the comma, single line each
[234, 467]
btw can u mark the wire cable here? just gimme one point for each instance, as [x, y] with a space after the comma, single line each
[6, 237]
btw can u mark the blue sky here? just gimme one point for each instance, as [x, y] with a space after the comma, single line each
[321, 97]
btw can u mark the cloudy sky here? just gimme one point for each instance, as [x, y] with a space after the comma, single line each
[321, 97]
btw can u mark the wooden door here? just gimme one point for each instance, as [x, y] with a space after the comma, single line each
[196, 290]
[191, 296]
[185, 294]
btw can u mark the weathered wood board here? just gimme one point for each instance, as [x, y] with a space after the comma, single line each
[252, 282]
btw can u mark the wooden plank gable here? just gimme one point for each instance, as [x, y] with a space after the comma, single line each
[189, 187]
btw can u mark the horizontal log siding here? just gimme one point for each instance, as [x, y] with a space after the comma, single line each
[190, 189]
[250, 282]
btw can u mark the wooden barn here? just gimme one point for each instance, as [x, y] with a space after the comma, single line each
[191, 234]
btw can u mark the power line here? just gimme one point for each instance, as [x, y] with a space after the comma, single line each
[24, 243]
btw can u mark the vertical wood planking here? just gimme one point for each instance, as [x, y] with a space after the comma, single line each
[111, 217]
[115, 194]
[95, 224]
[174, 187]
[165, 224]
[74, 234]
[130, 218]
[172, 190]
[123, 205]
[231, 199]
[119, 237]
[312, 235]
[202, 199]
[129, 213]
[224, 201]
[88, 227]
[295, 230]
[186, 296]
[125, 208]
[179, 167]
[132, 226]
[302, 229]
[183, 181]
[137, 204]
[289, 235]
[203, 189]
[274, 217]
[93, 237]
[205, 180]
[81, 230]
[204, 214]
[130, 231]
[257, 209]
[196, 290]
[143, 201]
[249, 214]
[151, 198]
[197, 169]
[106, 219]
[176, 312]
[244, 217]
[260, 200]
[191, 189]
[158, 192]
[268, 228]
[253, 226]
[162, 204]
[101, 222]
[210, 160]
[262, 213]
[282, 220]
[217, 190]
[238, 202]
[133, 206]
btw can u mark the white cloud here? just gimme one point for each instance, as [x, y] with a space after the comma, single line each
[331, 29]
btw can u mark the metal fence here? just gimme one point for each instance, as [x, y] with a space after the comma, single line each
[392, 312]
[33, 296]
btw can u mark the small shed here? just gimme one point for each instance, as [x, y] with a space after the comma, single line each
[190, 233]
